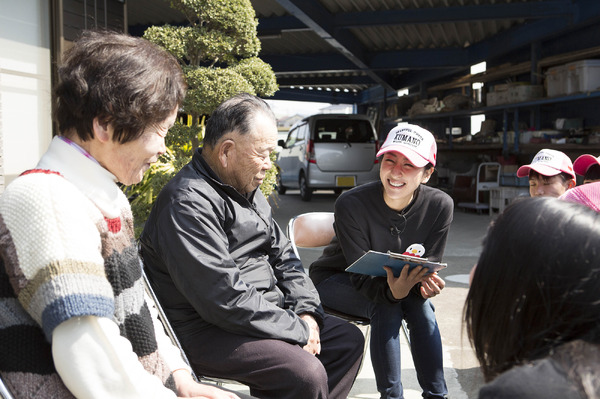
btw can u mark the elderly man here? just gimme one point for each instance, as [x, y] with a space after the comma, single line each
[227, 276]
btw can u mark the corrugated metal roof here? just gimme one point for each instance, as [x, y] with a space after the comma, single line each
[353, 45]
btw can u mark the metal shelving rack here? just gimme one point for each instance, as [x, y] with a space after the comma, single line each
[506, 109]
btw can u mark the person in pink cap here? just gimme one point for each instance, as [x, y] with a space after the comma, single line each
[550, 174]
[391, 215]
[587, 166]
[586, 194]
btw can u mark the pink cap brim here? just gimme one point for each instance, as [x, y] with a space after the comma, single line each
[412, 156]
[582, 164]
[544, 170]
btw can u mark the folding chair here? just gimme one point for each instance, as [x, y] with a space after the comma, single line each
[171, 333]
[487, 178]
[4, 393]
[313, 230]
[163, 318]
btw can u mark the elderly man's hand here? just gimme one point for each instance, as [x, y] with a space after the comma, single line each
[313, 346]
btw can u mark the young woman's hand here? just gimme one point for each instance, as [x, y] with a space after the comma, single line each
[432, 285]
[402, 284]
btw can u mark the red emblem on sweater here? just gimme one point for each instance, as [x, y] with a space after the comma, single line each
[114, 225]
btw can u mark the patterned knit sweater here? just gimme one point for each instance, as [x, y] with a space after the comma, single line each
[67, 250]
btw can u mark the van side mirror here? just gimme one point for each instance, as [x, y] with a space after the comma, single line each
[281, 143]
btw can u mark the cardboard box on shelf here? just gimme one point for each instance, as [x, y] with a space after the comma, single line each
[496, 98]
[556, 81]
[520, 93]
[583, 76]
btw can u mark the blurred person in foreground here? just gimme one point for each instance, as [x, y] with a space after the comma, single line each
[532, 308]
[228, 278]
[75, 321]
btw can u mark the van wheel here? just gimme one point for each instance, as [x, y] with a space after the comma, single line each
[280, 188]
[305, 191]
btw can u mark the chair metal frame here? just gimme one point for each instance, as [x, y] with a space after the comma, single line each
[314, 230]
[164, 320]
[483, 183]
[173, 336]
[4, 392]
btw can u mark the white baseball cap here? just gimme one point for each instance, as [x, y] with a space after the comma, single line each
[548, 163]
[412, 141]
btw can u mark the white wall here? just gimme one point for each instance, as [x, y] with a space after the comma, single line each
[25, 107]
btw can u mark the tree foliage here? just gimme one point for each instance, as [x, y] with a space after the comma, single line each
[218, 50]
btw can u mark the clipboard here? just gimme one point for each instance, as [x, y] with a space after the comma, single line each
[372, 263]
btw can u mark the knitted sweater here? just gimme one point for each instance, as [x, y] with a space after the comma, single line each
[67, 250]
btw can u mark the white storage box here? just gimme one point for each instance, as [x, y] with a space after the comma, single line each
[520, 93]
[583, 76]
[556, 81]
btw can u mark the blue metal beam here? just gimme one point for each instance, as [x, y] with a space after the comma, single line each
[276, 25]
[331, 97]
[388, 60]
[309, 62]
[317, 18]
[450, 57]
[325, 80]
[528, 10]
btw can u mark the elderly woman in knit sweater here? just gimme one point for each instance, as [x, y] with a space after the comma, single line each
[74, 320]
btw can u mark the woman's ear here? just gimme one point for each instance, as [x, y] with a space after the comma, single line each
[102, 130]
[427, 175]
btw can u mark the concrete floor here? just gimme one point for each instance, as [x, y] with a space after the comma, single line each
[462, 373]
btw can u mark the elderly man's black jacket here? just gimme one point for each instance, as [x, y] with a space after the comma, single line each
[216, 257]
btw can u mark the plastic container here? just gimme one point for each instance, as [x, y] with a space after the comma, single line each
[556, 81]
[583, 76]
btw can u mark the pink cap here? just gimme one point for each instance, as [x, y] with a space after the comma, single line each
[586, 194]
[583, 163]
[548, 163]
[412, 141]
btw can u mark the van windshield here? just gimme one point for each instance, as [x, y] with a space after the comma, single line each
[343, 131]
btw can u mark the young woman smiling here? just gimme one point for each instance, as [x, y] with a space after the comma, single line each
[390, 215]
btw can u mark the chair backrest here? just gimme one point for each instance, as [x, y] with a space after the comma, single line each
[488, 175]
[163, 318]
[173, 336]
[311, 230]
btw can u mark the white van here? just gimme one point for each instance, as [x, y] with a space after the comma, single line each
[328, 151]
